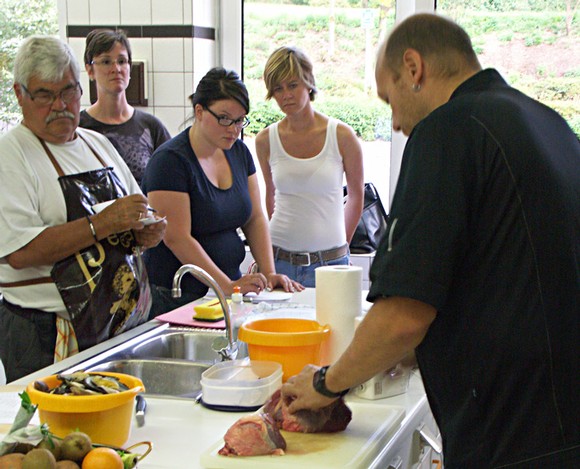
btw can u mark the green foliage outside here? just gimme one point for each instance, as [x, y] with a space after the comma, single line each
[19, 20]
[370, 120]
[340, 77]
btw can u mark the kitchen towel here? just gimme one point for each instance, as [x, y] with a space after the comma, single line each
[338, 303]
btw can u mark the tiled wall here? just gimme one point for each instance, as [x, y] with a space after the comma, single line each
[175, 38]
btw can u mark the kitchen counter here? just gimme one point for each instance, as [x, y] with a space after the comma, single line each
[182, 431]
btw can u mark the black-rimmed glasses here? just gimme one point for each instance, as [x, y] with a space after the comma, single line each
[224, 121]
[46, 98]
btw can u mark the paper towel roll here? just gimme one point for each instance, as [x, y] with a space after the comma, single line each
[338, 302]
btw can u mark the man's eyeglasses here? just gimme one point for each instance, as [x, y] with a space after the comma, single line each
[46, 98]
[121, 62]
[224, 121]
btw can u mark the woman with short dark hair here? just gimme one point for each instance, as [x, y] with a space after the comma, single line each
[134, 133]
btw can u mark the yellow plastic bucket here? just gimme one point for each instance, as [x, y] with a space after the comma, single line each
[106, 418]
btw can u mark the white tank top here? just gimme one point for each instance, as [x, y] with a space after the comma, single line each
[309, 212]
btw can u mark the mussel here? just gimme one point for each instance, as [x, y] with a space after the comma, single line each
[81, 383]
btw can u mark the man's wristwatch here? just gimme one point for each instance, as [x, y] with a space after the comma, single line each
[319, 383]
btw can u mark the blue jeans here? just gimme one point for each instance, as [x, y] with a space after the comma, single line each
[304, 274]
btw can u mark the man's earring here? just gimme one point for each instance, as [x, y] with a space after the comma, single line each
[416, 87]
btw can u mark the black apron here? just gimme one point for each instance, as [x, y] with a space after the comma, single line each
[105, 286]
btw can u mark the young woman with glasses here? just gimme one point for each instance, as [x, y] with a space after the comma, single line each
[204, 181]
[134, 133]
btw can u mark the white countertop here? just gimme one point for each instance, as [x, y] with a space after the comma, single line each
[181, 430]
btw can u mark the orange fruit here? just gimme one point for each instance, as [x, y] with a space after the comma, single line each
[102, 458]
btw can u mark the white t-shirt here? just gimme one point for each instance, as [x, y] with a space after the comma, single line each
[309, 208]
[32, 200]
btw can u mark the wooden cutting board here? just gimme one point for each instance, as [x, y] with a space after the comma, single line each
[371, 427]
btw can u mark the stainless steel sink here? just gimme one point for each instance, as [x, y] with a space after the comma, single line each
[193, 345]
[179, 378]
[169, 360]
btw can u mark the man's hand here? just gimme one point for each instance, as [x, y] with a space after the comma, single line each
[299, 391]
[151, 235]
[122, 215]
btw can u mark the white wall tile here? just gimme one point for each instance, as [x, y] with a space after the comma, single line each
[136, 12]
[172, 118]
[188, 88]
[149, 91]
[77, 11]
[168, 89]
[86, 97]
[77, 44]
[168, 55]
[204, 57]
[105, 12]
[62, 18]
[188, 54]
[204, 13]
[142, 49]
[167, 11]
[188, 11]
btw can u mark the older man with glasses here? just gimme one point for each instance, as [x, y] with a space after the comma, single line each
[58, 258]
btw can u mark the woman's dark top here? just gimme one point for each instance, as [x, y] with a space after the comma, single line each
[216, 214]
[135, 140]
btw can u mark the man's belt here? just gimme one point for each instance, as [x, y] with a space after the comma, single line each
[307, 258]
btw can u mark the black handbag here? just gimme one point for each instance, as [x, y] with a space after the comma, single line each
[372, 224]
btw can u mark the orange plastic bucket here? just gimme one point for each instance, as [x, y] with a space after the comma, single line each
[292, 342]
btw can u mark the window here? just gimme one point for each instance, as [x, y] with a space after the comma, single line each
[532, 43]
[341, 41]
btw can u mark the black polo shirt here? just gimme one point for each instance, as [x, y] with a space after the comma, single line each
[485, 227]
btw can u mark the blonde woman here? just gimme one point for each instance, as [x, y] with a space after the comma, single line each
[304, 158]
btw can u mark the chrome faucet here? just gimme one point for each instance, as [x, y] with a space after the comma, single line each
[226, 347]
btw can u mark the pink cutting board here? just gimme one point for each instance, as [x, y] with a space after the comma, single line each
[183, 316]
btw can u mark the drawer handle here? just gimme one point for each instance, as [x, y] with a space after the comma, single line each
[430, 439]
[396, 463]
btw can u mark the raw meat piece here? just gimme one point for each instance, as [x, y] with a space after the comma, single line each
[330, 419]
[254, 435]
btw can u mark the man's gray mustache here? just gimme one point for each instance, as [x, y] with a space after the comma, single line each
[58, 115]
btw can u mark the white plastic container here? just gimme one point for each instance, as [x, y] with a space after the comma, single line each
[240, 384]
